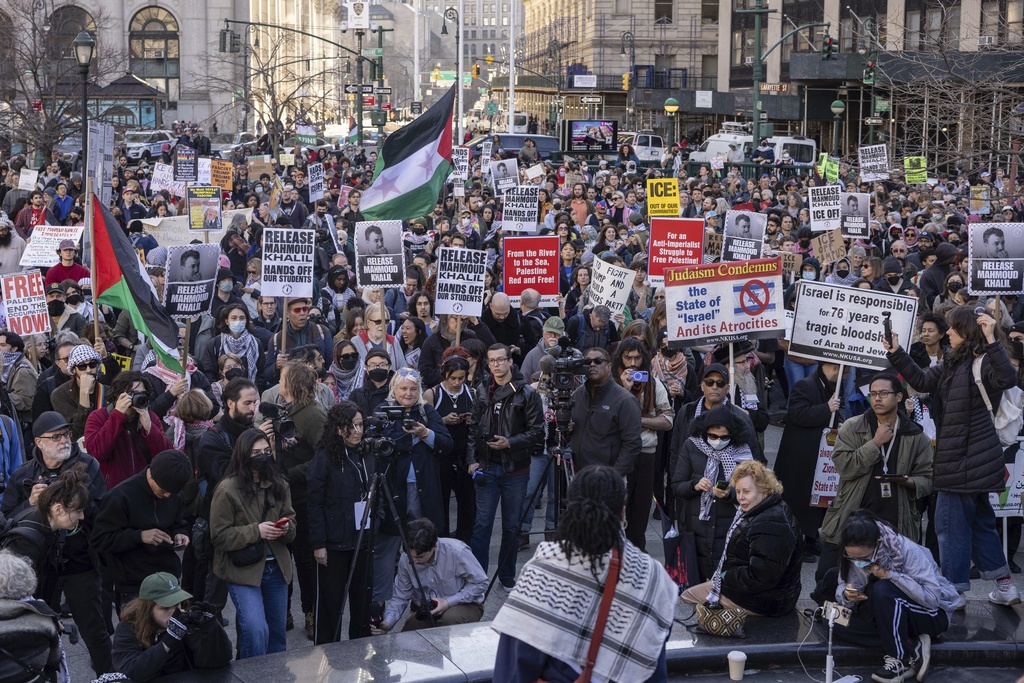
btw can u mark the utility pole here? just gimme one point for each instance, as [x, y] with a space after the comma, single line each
[759, 11]
[380, 74]
[511, 68]
[416, 50]
[359, 95]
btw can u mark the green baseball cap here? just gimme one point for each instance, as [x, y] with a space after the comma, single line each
[163, 589]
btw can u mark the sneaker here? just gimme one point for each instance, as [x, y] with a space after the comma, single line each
[1010, 596]
[961, 602]
[508, 584]
[310, 627]
[894, 671]
[923, 654]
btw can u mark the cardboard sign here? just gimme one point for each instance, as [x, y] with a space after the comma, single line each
[486, 152]
[663, 197]
[221, 173]
[874, 162]
[163, 179]
[855, 214]
[915, 169]
[535, 172]
[724, 302]
[521, 206]
[980, 203]
[28, 179]
[610, 285]
[829, 247]
[204, 208]
[824, 204]
[460, 159]
[673, 242]
[744, 235]
[380, 256]
[25, 302]
[838, 324]
[316, 182]
[41, 251]
[287, 262]
[185, 164]
[460, 281]
[791, 262]
[191, 279]
[532, 263]
[712, 246]
[258, 165]
[505, 175]
[286, 159]
[995, 252]
[825, 485]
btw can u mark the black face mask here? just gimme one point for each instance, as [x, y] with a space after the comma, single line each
[234, 373]
[347, 364]
[74, 299]
[842, 273]
[954, 286]
[259, 463]
[55, 308]
[378, 375]
[894, 280]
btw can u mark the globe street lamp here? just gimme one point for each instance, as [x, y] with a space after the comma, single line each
[838, 107]
[83, 46]
[671, 107]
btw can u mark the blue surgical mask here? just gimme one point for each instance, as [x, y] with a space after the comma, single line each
[236, 326]
[227, 286]
[807, 274]
[862, 564]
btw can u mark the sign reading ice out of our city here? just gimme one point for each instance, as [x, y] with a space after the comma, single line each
[995, 252]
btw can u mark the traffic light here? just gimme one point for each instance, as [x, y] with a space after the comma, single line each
[222, 46]
[625, 81]
[476, 70]
[236, 42]
[436, 75]
[869, 74]
[828, 48]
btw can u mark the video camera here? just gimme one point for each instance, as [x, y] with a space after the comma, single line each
[283, 425]
[561, 365]
[374, 442]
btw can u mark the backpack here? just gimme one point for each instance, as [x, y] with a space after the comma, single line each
[30, 644]
[11, 452]
[1008, 418]
[9, 528]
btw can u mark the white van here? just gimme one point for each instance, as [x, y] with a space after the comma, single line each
[647, 145]
[801, 150]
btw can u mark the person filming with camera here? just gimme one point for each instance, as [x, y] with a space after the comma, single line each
[125, 435]
[157, 637]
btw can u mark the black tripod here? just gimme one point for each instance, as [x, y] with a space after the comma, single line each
[371, 520]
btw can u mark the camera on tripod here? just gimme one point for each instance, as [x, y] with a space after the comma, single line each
[374, 442]
[283, 425]
[561, 382]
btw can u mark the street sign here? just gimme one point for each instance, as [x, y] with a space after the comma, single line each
[492, 108]
[591, 99]
[381, 91]
[764, 116]
[369, 101]
[353, 89]
[373, 52]
[416, 107]
[489, 59]
[386, 106]
[873, 121]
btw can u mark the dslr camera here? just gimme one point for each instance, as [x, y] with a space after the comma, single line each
[45, 480]
[424, 610]
[140, 400]
[374, 442]
[568, 364]
[283, 425]
[194, 616]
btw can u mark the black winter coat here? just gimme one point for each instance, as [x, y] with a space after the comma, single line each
[968, 455]
[522, 422]
[763, 560]
[334, 489]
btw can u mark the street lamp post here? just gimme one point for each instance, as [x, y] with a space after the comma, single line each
[671, 107]
[627, 38]
[84, 46]
[838, 107]
[453, 15]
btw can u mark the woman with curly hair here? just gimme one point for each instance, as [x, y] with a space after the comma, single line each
[542, 634]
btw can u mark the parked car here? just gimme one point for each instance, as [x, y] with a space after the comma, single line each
[144, 145]
[225, 144]
[512, 143]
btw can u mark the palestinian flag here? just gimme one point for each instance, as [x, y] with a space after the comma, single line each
[412, 166]
[120, 280]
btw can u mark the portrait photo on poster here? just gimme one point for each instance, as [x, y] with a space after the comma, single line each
[996, 255]
[380, 256]
[191, 278]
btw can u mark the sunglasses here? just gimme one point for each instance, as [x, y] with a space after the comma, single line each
[720, 383]
[349, 356]
[592, 361]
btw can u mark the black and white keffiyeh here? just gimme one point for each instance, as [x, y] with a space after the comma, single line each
[716, 581]
[555, 603]
[727, 458]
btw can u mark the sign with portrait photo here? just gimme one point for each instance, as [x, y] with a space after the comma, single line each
[854, 214]
[504, 175]
[204, 206]
[191, 279]
[995, 252]
[380, 257]
[744, 234]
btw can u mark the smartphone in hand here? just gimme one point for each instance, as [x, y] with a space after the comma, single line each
[281, 523]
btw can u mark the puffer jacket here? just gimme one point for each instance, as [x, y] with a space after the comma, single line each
[763, 560]
[968, 455]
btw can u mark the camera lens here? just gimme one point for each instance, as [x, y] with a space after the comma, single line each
[140, 399]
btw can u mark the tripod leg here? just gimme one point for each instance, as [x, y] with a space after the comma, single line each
[369, 520]
[424, 598]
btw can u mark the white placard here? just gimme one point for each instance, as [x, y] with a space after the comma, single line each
[25, 303]
[163, 179]
[610, 285]
[287, 262]
[380, 255]
[824, 203]
[460, 281]
[316, 182]
[460, 159]
[534, 172]
[855, 214]
[874, 162]
[521, 206]
[203, 168]
[703, 99]
[359, 16]
[584, 81]
[505, 175]
[27, 180]
[744, 235]
[996, 255]
[41, 251]
[191, 276]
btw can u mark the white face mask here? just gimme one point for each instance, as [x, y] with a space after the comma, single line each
[236, 326]
[718, 444]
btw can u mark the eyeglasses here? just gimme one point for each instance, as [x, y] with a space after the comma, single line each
[349, 356]
[63, 360]
[385, 366]
[593, 361]
[300, 309]
[720, 383]
[58, 437]
[374, 321]
[880, 395]
[91, 365]
[259, 454]
[499, 361]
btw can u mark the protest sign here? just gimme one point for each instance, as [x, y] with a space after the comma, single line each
[535, 172]
[980, 203]
[521, 205]
[203, 171]
[724, 302]
[744, 234]
[460, 159]
[221, 173]
[610, 285]
[28, 179]
[1007, 502]
[825, 484]
[673, 242]
[854, 210]
[505, 175]
[258, 165]
[663, 197]
[305, 135]
[316, 182]
[791, 262]
[831, 170]
[204, 207]
[185, 164]
[380, 257]
[828, 247]
[486, 152]
[191, 274]
[820, 166]
[996, 256]
[170, 230]
[532, 263]
[287, 262]
[915, 169]
[25, 303]
[824, 204]
[123, 362]
[41, 251]
[838, 324]
[163, 179]
[712, 247]
[460, 281]
[874, 162]
[286, 159]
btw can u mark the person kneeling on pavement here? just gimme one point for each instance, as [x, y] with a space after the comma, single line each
[158, 635]
[899, 599]
[452, 579]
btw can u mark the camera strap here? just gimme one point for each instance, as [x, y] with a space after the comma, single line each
[140, 445]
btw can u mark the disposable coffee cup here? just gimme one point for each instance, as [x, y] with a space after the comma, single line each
[737, 662]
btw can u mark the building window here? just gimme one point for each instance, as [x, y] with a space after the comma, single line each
[153, 49]
[663, 11]
[1014, 21]
[990, 19]
[622, 7]
[737, 48]
[951, 27]
[65, 24]
[913, 36]
[504, 21]
[709, 12]
[933, 29]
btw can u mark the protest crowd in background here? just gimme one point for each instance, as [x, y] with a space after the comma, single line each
[692, 303]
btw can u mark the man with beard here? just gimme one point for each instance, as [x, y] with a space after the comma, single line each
[67, 268]
[83, 393]
[62, 317]
[52, 377]
[748, 384]
[35, 213]
[77, 578]
[506, 325]
[554, 328]
[606, 421]
[126, 435]
[12, 246]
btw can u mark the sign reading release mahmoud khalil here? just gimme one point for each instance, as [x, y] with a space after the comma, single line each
[996, 256]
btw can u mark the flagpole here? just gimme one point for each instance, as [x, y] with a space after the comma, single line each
[184, 347]
[90, 227]
[284, 328]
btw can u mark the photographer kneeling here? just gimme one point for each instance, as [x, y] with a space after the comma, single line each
[156, 638]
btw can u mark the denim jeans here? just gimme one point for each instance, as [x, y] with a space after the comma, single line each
[966, 527]
[262, 611]
[492, 486]
[796, 372]
[537, 465]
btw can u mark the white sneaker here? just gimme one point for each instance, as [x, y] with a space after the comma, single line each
[923, 654]
[1008, 597]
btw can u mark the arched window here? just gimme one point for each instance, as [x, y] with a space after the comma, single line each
[153, 49]
[472, 49]
[65, 24]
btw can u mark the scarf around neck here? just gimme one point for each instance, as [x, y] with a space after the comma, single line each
[727, 458]
[244, 347]
[10, 359]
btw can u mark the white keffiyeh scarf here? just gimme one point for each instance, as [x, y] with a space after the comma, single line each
[727, 458]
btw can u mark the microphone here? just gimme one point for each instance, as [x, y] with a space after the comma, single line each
[547, 365]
